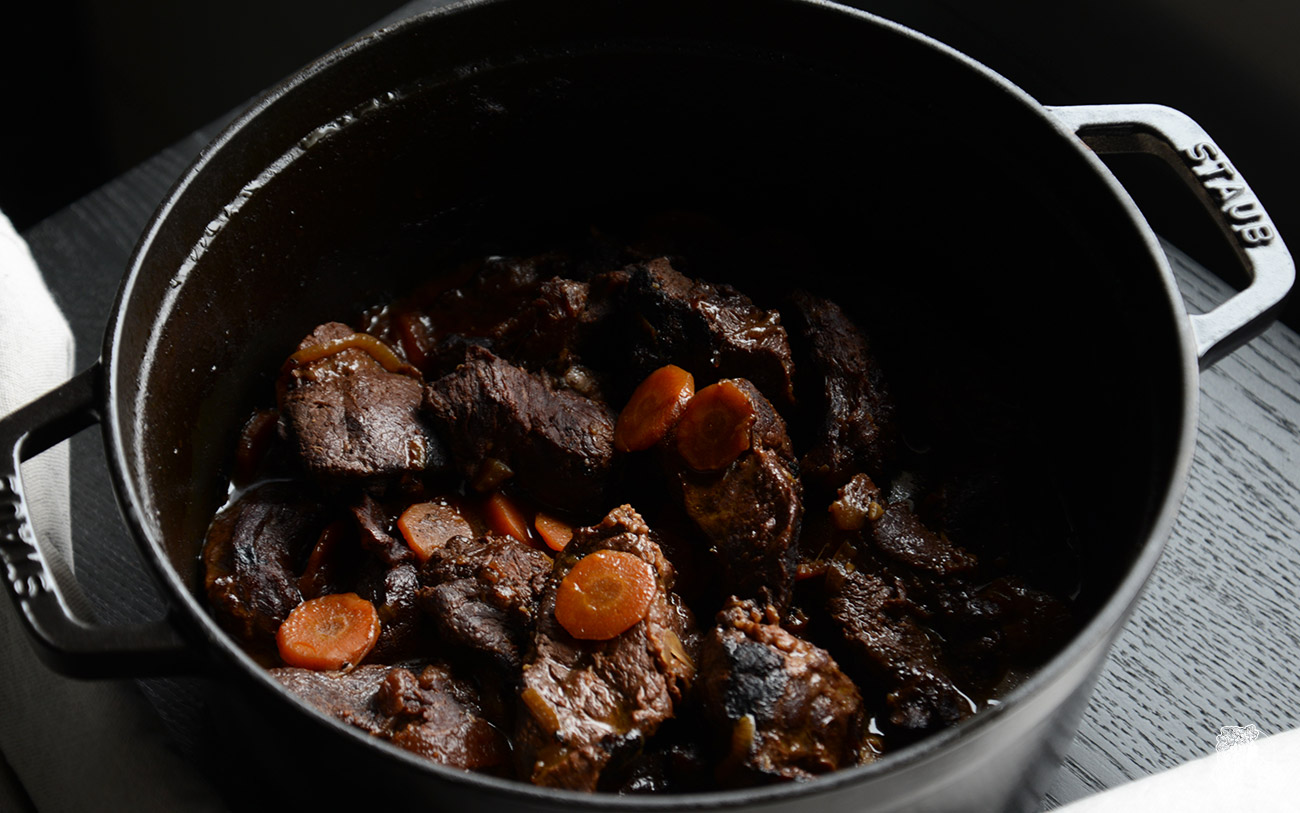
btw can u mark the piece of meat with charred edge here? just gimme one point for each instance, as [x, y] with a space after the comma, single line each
[481, 593]
[782, 706]
[751, 510]
[558, 445]
[250, 556]
[714, 331]
[590, 704]
[851, 404]
[352, 409]
[893, 649]
[424, 709]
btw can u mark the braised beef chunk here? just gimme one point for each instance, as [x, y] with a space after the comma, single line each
[250, 558]
[487, 310]
[481, 593]
[346, 696]
[551, 323]
[899, 534]
[440, 718]
[393, 591]
[566, 331]
[487, 305]
[855, 430]
[1007, 624]
[424, 709]
[712, 330]
[781, 707]
[882, 632]
[751, 510]
[389, 581]
[372, 522]
[451, 352]
[350, 416]
[558, 445]
[675, 763]
[751, 514]
[589, 703]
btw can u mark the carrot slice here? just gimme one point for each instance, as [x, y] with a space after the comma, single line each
[605, 594]
[714, 429]
[329, 633]
[505, 517]
[427, 526]
[655, 406]
[556, 533]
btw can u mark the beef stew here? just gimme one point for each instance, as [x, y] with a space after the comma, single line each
[770, 583]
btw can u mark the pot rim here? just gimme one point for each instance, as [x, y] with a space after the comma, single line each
[1100, 630]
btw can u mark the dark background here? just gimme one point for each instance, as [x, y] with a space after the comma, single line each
[94, 87]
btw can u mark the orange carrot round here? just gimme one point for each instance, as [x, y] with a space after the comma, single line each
[556, 533]
[715, 428]
[329, 633]
[505, 517]
[427, 526]
[653, 409]
[605, 594]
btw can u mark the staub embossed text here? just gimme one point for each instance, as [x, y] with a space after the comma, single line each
[23, 565]
[1220, 179]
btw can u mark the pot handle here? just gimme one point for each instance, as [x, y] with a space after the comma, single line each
[1182, 143]
[64, 642]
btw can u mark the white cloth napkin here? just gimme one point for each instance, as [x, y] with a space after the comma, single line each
[1254, 777]
[72, 745]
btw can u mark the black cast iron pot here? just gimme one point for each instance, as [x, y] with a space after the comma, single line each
[969, 226]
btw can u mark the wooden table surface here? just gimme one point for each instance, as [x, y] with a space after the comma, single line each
[1214, 641]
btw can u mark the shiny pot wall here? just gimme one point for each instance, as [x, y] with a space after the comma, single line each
[986, 249]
